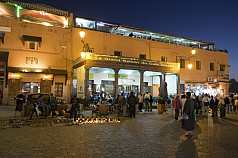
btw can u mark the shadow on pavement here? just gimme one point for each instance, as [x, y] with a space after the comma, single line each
[187, 148]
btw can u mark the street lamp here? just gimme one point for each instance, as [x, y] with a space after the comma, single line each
[82, 34]
[190, 66]
[193, 51]
[86, 47]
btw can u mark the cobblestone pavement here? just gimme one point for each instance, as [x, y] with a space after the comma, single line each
[149, 135]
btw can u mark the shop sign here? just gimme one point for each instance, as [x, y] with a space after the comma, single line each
[91, 76]
[121, 76]
[32, 60]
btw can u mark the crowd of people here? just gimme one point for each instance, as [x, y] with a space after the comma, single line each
[38, 105]
[190, 107]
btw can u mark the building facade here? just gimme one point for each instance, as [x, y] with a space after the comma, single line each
[46, 50]
[35, 50]
[202, 68]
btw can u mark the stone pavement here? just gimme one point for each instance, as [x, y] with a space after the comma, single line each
[149, 135]
[7, 112]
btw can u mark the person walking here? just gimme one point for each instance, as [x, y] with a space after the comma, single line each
[227, 105]
[212, 105]
[140, 102]
[132, 101]
[147, 101]
[222, 107]
[215, 109]
[177, 104]
[20, 100]
[151, 103]
[236, 105]
[188, 122]
[183, 100]
[74, 109]
[122, 104]
[205, 101]
[53, 105]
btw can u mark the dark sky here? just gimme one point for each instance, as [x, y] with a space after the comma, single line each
[212, 20]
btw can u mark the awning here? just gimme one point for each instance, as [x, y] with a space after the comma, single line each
[31, 38]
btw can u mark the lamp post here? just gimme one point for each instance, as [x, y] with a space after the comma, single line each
[86, 47]
[193, 52]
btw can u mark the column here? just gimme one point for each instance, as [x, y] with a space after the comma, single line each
[86, 92]
[162, 85]
[141, 81]
[178, 85]
[116, 82]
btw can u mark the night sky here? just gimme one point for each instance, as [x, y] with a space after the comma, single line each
[211, 20]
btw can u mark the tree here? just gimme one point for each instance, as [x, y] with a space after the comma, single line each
[233, 86]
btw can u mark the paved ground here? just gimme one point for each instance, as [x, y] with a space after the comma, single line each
[149, 135]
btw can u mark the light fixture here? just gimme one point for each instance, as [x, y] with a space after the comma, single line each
[46, 24]
[82, 34]
[190, 66]
[47, 77]
[193, 51]
[14, 76]
[25, 70]
[85, 55]
[38, 70]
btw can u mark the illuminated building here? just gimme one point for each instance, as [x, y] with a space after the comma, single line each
[42, 50]
[202, 67]
[34, 46]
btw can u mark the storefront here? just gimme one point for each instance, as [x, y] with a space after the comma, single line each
[35, 81]
[213, 89]
[116, 75]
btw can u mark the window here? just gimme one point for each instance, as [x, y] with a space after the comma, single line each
[211, 66]
[198, 65]
[58, 89]
[142, 56]
[32, 45]
[2, 35]
[117, 53]
[182, 63]
[222, 67]
[164, 59]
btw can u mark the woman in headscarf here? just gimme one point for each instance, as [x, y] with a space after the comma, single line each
[188, 122]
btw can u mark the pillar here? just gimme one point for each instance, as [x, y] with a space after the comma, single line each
[162, 85]
[141, 81]
[178, 85]
[116, 82]
[86, 78]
